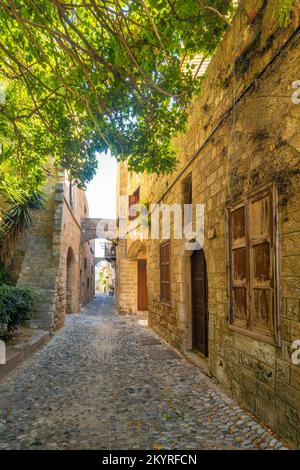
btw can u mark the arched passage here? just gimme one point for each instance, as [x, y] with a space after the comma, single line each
[71, 283]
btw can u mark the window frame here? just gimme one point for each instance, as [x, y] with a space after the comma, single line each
[274, 333]
[187, 189]
[136, 197]
[164, 298]
[71, 198]
[187, 198]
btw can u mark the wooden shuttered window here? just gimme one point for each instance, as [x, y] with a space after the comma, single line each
[253, 263]
[187, 190]
[165, 272]
[187, 198]
[132, 200]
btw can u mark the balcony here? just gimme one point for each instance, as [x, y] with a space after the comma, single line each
[109, 251]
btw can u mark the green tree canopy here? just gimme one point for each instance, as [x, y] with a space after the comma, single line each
[82, 76]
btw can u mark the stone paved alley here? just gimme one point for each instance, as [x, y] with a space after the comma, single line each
[104, 383]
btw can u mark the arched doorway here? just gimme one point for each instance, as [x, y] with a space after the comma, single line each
[142, 297]
[199, 303]
[137, 252]
[71, 282]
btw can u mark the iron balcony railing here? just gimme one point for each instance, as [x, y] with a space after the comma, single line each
[109, 251]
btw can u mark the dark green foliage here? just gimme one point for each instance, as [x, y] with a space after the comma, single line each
[285, 8]
[16, 305]
[16, 218]
[87, 77]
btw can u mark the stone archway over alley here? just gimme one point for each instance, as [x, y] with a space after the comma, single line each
[111, 383]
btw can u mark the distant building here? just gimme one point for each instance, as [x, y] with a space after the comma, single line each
[105, 282]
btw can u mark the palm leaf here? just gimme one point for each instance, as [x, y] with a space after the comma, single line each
[16, 219]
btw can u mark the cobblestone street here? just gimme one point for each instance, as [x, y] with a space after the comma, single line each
[106, 382]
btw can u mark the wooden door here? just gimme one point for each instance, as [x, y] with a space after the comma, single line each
[142, 285]
[199, 302]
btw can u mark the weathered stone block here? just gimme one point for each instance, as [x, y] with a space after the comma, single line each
[293, 309]
[295, 377]
[265, 374]
[288, 394]
[283, 370]
[295, 330]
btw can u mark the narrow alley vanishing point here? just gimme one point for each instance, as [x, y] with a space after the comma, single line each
[107, 382]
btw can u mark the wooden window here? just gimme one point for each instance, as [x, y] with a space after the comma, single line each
[252, 226]
[134, 199]
[165, 272]
[71, 194]
[187, 190]
[187, 198]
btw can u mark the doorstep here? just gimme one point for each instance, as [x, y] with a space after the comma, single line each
[18, 352]
[198, 361]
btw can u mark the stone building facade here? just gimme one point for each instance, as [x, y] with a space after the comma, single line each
[52, 258]
[234, 305]
[105, 282]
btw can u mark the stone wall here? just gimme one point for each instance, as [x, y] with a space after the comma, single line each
[126, 270]
[39, 267]
[87, 271]
[43, 254]
[126, 281]
[242, 133]
[69, 213]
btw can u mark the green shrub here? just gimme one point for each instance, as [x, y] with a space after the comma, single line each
[3, 318]
[16, 305]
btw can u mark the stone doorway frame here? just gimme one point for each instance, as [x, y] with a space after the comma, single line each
[137, 251]
[185, 310]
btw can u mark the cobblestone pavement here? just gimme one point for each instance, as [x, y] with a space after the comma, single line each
[106, 382]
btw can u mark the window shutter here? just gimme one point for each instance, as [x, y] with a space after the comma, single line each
[165, 272]
[187, 199]
[187, 190]
[133, 199]
[239, 267]
[252, 263]
[261, 269]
